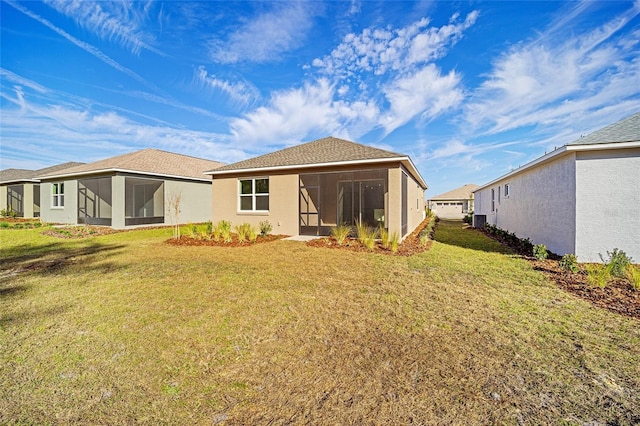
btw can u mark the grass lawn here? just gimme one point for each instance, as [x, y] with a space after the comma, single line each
[124, 328]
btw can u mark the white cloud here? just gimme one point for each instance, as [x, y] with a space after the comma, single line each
[426, 93]
[556, 79]
[294, 114]
[122, 21]
[240, 91]
[382, 50]
[266, 37]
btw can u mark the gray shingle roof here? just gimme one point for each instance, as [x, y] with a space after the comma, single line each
[625, 130]
[24, 175]
[463, 193]
[321, 151]
[147, 161]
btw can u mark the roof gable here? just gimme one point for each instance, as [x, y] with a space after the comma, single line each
[322, 151]
[465, 192]
[146, 161]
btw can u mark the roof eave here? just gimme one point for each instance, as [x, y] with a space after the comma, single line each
[404, 160]
[562, 151]
[119, 170]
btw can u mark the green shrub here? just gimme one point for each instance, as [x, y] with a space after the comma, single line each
[617, 262]
[633, 275]
[540, 252]
[8, 212]
[598, 275]
[366, 235]
[569, 262]
[341, 233]
[265, 228]
[223, 230]
[252, 234]
[395, 242]
[424, 238]
[384, 236]
[242, 231]
[4, 224]
[468, 218]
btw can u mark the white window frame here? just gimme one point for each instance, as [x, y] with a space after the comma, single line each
[57, 195]
[253, 195]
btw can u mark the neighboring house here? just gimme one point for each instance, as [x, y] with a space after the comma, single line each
[139, 188]
[20, 190]
[583, 198]
[310, 188]
[454, 204]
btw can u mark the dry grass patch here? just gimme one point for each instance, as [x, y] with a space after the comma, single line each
[129, 329]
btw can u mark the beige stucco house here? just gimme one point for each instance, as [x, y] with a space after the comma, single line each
[582, 198]
[139, 188]
[20, 190]
[454, 204]
[309, 188]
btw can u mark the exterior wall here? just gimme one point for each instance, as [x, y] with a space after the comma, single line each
[27, 201]
[195, 204]
[283, 202]
[607, 203]
[284, 189]
[540, 206]
[67, 214]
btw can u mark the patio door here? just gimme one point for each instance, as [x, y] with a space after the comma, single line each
[309, 208]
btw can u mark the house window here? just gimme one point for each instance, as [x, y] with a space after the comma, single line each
[499, 190]
[493, 200]
[507, 190]
[254, 194]
[57, 194]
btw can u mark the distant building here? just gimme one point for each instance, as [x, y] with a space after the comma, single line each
[454, 204]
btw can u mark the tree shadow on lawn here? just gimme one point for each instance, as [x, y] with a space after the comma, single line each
[459, 234]
[52, 258]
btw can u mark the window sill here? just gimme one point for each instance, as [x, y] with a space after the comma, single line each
[253, 213]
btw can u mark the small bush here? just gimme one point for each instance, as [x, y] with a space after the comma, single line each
[366, 235]
[223, 230]
[598, 275]
[252, 234]
[395, 242]
[633, 275]
[468, 218]
[242, 231]
[341, 233]
[617, 262]
[384, 236]
[540, 252]
[569, 262]
[424, 238]
[265, 228]
[4, 224]
[8, 212]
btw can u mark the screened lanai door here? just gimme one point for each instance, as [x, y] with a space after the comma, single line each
[330, 199]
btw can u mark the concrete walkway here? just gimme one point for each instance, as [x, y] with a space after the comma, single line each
[301, 238]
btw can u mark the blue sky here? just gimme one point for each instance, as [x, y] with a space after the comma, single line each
[470, 90]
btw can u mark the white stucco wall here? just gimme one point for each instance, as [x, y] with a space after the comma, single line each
[540, 205]
[608, 203]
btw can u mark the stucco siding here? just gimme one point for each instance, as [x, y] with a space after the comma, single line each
[67, 214]
[195, 205]
[283, 202]
[540, 204]
[607, 203]
[3, 197]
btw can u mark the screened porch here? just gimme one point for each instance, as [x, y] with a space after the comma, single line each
[329, 199]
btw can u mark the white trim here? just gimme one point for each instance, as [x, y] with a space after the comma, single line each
[561, 151]
[253, 195]
[118, 170]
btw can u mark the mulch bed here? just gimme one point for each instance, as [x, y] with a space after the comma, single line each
[410, 245]
[189, 241]
[618, 296]
[79, 231]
